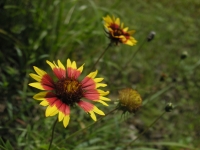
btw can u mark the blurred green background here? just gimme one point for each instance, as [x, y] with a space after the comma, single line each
[32, 32]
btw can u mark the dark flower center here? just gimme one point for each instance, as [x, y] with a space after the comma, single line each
[118, 32]
[69, 91]
[113, 35]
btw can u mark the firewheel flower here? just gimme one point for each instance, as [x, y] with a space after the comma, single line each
[129, 100]
[116, 31]
[68, 91]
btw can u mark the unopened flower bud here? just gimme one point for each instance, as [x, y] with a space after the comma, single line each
[184, 55]
[169, 107]
[129, 100]
[163, 77]
[151, 36]
[174, 79]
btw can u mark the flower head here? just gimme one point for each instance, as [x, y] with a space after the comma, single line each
[129, 100]
[169, 107]
[117, 33]
[184, 55]
[67, 90]
[163, 77]
[151, 36]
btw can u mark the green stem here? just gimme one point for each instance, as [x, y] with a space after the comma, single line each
[129, 61]
[146, 129]
[52, 134]
[174, 69]
[77, 132]
[101, 56]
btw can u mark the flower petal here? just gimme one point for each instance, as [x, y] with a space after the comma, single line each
[92, 74]
[50, 64]
[59, 70]
[47, 82]
[93, 116]
[117, 21]
[80, 68]
[107, 19]
[39, 71]
[54, 101]
[88, 83]
[66, 121]
[98, 79]
[69, 64]
[104, 98]
[36, 77]
[37, 85]
[64, 112]
[98, 111]
[40, 96]
[60, 65]
[103, 93]
[90, 108]
[60, 116]
[50, 111]
[72, 71]
[92, 94]
[64, 109]
[128, 42]
[125, 29]
[54, 113]
[74, 65]
[102, 102]
[86, 106]
[44, 103]
[100, 85]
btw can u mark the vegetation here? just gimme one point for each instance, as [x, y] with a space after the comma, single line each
[164, 70]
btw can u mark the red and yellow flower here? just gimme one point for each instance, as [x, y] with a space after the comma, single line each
[116, 31]
[67, 90]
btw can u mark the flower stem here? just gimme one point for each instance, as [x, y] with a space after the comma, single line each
[146, 129]
[129, 61]
[175, 68]
[77, 132]
[53, 128]
[101, 56]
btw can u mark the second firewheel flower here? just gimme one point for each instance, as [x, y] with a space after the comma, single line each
[68, 90]
[116, 31]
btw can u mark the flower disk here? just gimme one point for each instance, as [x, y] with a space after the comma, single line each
[117, 33]
[68, 91]
[129, 100]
